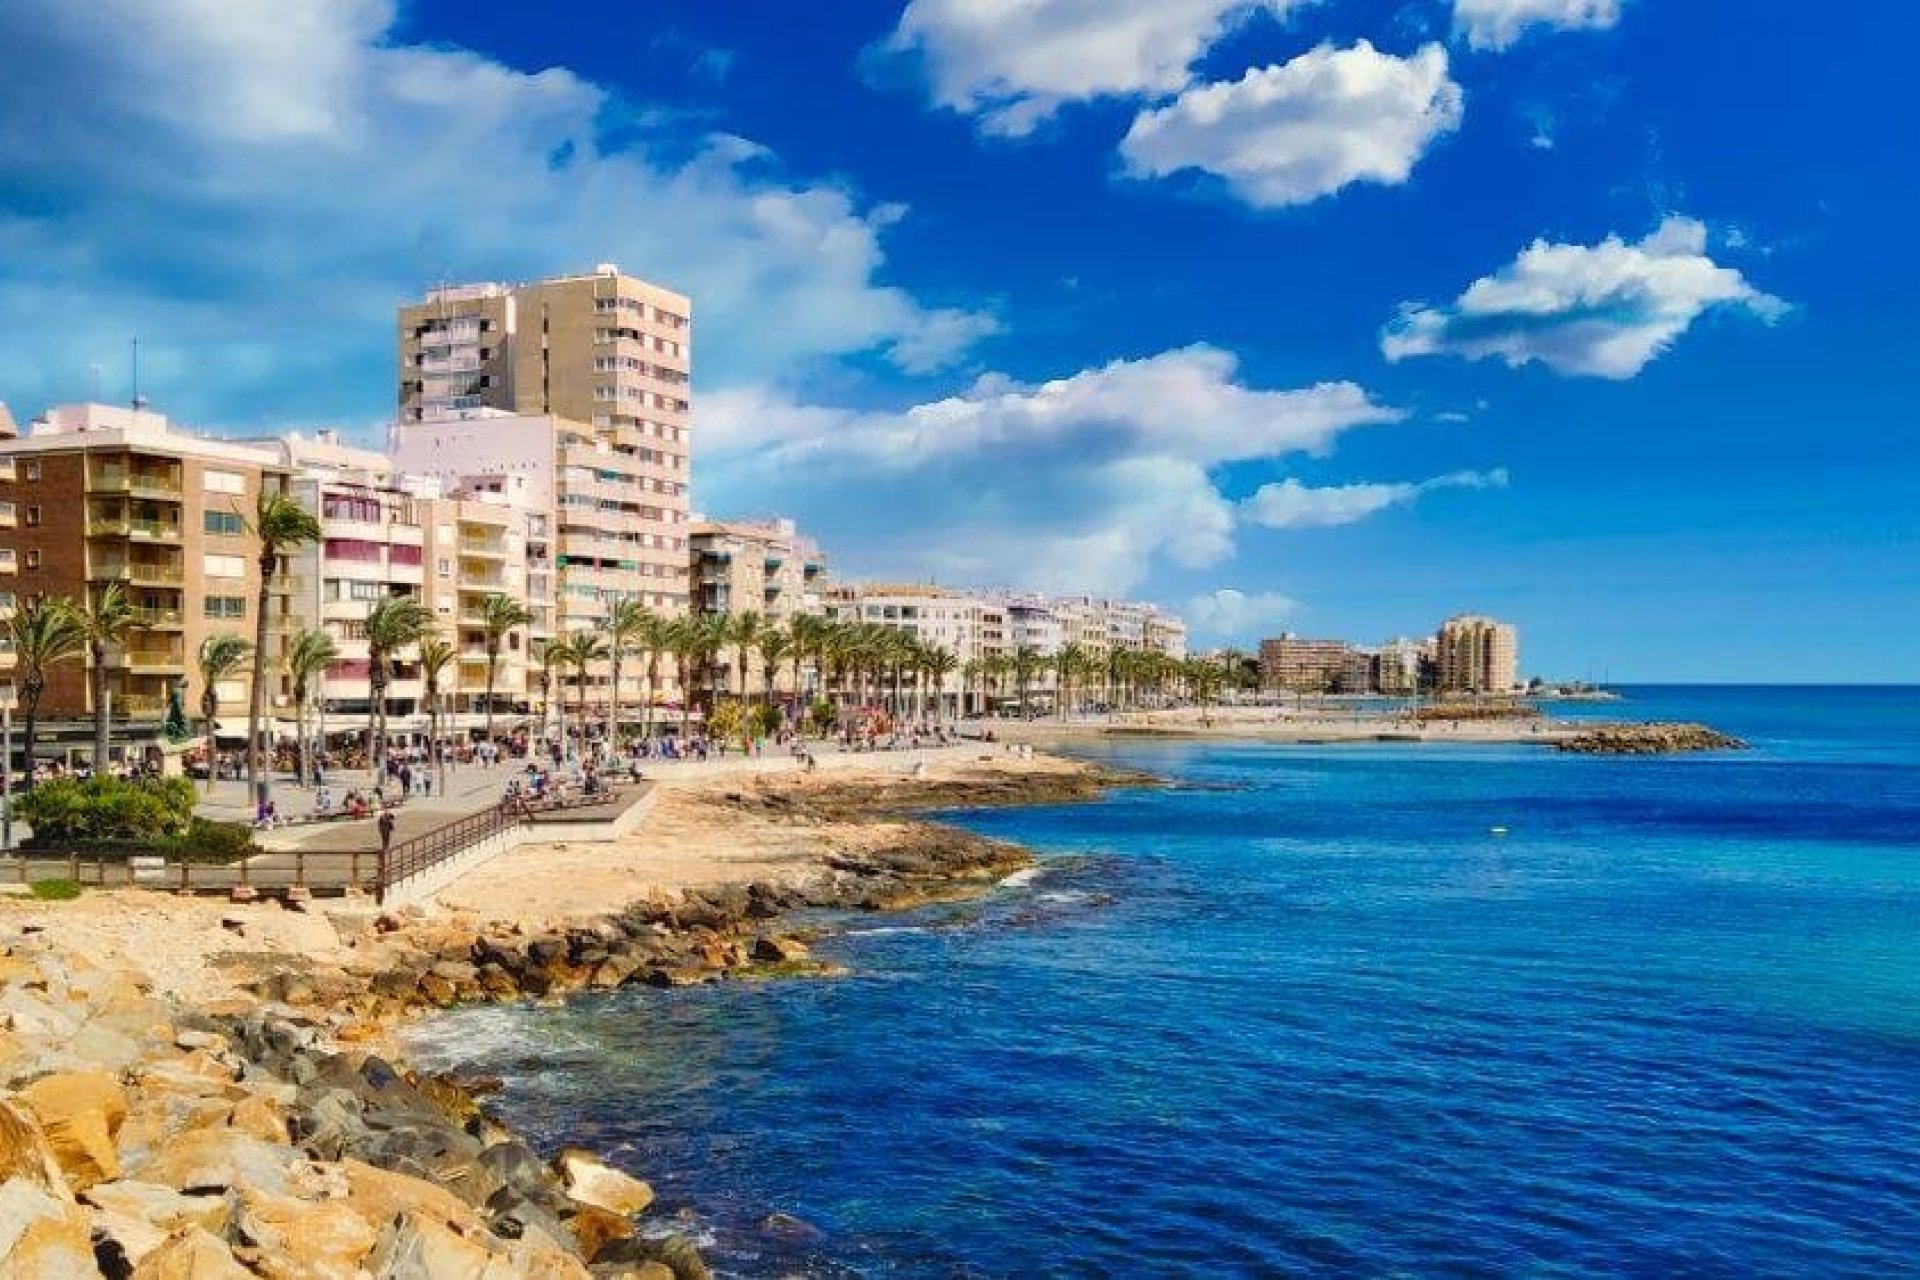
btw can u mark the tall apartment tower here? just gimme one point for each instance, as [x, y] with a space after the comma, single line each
[1478, 655]
[603, 362]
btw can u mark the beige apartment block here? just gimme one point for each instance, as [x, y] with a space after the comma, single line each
[765, 567]
[1292, 664]
[95, 494]
[1478, 655]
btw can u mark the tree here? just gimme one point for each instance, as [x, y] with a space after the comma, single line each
[309, 653]
[682, 638]
[626, 624]
[651, 640]
[711, 633]
[499, 615]
[743, 630]
[578, 651]
[46, 631]
[546, 654]
[1067, 665]
[436, 655]
[106, 623]
[938, 663]
[807, 636]
[774, 645]
[279, 525]
[220, 658]
[1027, 662]
[393, 624]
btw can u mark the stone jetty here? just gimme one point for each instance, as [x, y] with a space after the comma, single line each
[1650, 739]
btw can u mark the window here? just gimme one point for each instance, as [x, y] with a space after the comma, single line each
[225, 482]
[359, 550]
[31, 471]
[444, 567]
[228, 523]
[368, 591]
[403, 555]
[225, 566]
[226, 607]
[33, 558]
[33, 515]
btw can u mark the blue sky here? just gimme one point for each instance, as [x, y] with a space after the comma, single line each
[1331, 315]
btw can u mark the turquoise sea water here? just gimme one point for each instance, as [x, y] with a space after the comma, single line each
[1305, 1013]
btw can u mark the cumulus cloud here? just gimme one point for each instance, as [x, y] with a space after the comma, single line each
[1229, 614]
[1285, 135]
[1082, 483]
[1498, 24]
[1292, 505]
[264, 182]
[1013, 63]
[1602, 310]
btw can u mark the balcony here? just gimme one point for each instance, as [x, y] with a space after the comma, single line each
[164, 485]
[9, 516]
[155, 661]
[138, 572]
[140, 530]
[140, 705]
[483, 549]
[158, 619]
[7, 473]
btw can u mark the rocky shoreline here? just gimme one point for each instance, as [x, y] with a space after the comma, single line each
[1649, 739]
[270, 1136]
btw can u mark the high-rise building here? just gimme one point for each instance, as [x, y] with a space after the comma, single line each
[764, 567]
[1478, 655]
[1294, 665]
[95, 495]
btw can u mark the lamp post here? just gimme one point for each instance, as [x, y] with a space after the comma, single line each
[6, 768]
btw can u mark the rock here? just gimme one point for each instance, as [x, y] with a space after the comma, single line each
[191, 1254]
[212, 1160]
[80, 1112]
[417, 1248]
[383, 1196]
[591, 1181]
[674, 1256]
[514, 1165]
[780, 950]
[25, 1152]
[594, 1228]
[1649, 739]
[260, 1117]
[161, 1207]
[299, 1240]
[41, 1235]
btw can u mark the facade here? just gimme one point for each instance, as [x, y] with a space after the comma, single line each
[1401, 669]
[1478, 655]
[1291, 664]
[764, 567]
[480, 544]
[95, 494]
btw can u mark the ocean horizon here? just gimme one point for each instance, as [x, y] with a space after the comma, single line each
[1360, 1009]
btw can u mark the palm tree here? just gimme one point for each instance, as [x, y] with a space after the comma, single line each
[1066, 665]
[712, 632]
[107, 623]
[1026, 663]
[46, 631]
[309, 654]
[499, 614]
[626, 624]
[683, 638]
[436, 655]
[807, 636]
[393, 624]
[579, 651]
[743, 629]
[774, 646]
[651, 639]
[220, 658]
[939, 663]
[279, 525]
[547, 655]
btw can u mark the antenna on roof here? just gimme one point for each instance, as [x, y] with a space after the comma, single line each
[139, 401]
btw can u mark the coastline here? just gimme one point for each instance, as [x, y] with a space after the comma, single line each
[315, 1136]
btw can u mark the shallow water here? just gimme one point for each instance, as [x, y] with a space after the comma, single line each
[1324, 1020]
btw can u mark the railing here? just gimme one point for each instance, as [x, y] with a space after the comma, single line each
[294, 869]
[415, 857]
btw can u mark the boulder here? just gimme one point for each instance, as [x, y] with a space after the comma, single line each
[780, 950]
[80, 1112]
[191, 1254]
[589, 1180]
[382, 1196]
[301, 1240]
[593, 1229]
[212, 1160]
[262, 1118]
[25, 1152]
[42, 1235]
[418, 1248]
[161, 1207]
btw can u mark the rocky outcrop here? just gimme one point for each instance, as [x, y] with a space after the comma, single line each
[1650, 739]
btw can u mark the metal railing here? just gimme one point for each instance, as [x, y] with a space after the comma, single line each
[423, 852]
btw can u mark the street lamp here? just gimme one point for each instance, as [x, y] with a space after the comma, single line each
[6, 767]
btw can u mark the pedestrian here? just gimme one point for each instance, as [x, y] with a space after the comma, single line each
[386, 830]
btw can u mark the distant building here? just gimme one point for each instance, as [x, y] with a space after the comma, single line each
[1400, 668]
[1477, 655]
[760, 566]
[1291, 664]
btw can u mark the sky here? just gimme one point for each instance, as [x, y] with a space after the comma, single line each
[1330, 316]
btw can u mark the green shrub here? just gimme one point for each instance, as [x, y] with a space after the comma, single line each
[763, 721]
[103, 808]
[61, 890]
[821, 715]
[208, 841]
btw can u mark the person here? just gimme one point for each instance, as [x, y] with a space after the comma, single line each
[386, 829]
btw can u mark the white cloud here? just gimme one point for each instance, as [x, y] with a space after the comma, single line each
[1292, 505]
[265, 181]
[1231, 614]
[1285, 135]
[1603, 310]
[1083, 483]
[1498, 24]
[1013, 63]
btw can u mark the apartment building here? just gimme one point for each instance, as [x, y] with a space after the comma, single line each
[1291, 664]
[1477, 654]
[760, 566]
[478, 544]
[1402, 668]
[95, 494]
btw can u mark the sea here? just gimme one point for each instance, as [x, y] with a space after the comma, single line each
[1379, 1010]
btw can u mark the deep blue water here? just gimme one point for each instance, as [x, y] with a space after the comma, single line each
[1308, 1014]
